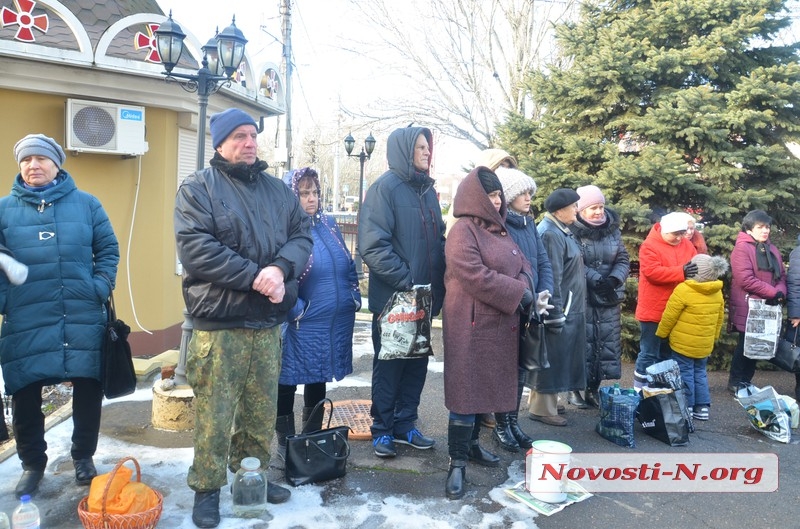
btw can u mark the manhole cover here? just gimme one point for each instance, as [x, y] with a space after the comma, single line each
[352, 413]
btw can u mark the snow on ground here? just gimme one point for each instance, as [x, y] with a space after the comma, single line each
[165, 470]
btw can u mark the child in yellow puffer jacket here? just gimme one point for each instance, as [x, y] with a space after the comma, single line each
[692, 320]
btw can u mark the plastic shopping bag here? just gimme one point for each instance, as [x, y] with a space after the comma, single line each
[405, 325]
[766, 411]
[762, 329]
[663, 416]
[617, 416]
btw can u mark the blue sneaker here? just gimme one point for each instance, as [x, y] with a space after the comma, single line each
[384, 446]
[416, 439]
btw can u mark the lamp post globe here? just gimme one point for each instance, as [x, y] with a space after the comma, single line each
[169, 43]
[363, 156]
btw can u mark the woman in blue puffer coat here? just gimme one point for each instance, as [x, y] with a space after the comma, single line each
[318, 336]
[53, 322]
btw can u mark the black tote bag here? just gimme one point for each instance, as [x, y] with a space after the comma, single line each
[532, 348]
[663, 416]
[119, 375]
[312, 457]
[787, 354]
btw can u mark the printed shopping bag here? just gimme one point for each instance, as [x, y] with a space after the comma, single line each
[766, 412]
[762, 329]
[405, 324]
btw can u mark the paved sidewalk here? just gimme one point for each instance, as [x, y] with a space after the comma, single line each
[408, 491]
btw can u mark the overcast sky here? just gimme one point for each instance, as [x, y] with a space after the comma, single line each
[330, 72]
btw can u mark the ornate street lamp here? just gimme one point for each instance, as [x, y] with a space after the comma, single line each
[222, 56]
[220, 62]
[363, 156]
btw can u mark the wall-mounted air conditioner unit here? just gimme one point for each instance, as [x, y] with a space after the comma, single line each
[105, 128]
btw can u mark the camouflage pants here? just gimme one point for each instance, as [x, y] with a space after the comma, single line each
[234, 376]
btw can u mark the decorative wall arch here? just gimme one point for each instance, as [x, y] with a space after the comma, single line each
[84, 54]
[271, 85]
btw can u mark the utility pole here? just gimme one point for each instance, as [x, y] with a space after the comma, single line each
[286, 26]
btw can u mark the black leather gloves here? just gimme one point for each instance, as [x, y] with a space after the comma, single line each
[778, 299]
[525, 303]
[606, 286]
[689, 270]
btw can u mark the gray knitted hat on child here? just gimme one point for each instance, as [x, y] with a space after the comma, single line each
[709, 268]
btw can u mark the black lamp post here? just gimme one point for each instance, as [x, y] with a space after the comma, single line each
[222, 56]
[363, 156]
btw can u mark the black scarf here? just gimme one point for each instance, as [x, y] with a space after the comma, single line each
[766, 260]
[240, 170]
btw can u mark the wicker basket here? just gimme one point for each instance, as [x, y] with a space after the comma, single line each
[102, 520]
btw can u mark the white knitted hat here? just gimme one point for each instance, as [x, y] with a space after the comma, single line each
[514, 183]
[675, 221]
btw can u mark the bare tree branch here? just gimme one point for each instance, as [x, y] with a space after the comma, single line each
[466, 60]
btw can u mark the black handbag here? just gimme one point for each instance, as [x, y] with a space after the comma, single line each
[663, 416]
[119, 375]
[312, 457]
[532, 347]
[787, 354]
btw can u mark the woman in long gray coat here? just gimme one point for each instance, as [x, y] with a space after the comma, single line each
[485, 289]
[565, 336]
[607, 266]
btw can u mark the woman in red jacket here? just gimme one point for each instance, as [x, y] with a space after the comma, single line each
[664, 262]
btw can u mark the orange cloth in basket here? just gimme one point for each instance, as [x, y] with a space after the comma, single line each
[124, 496]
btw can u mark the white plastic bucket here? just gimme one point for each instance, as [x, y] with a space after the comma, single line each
[546, 468]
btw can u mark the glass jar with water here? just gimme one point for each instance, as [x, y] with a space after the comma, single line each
[250, 489]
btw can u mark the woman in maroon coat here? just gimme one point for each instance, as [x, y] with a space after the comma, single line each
[486, 286]
[757, 271]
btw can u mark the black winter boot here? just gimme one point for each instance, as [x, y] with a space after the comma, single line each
[523, 439]
[592, 396]
[477, 454]
[284, 427]
[85, 471]
[576, 399]
[503, 435]
[28, 482]
[205, 512]
[456, 476]
[312, 423]
[459, 434]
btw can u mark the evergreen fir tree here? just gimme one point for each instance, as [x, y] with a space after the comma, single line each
[671, 105]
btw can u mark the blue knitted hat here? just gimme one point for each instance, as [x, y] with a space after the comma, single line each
[225, 122]
[39, 145]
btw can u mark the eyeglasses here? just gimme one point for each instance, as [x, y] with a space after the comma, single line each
[306, 194]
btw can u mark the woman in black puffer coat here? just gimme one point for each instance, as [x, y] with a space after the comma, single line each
[607, 266]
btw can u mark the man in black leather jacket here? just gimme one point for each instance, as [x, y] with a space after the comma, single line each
[242, 238]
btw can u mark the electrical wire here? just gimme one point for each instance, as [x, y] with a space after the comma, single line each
[128, 249]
